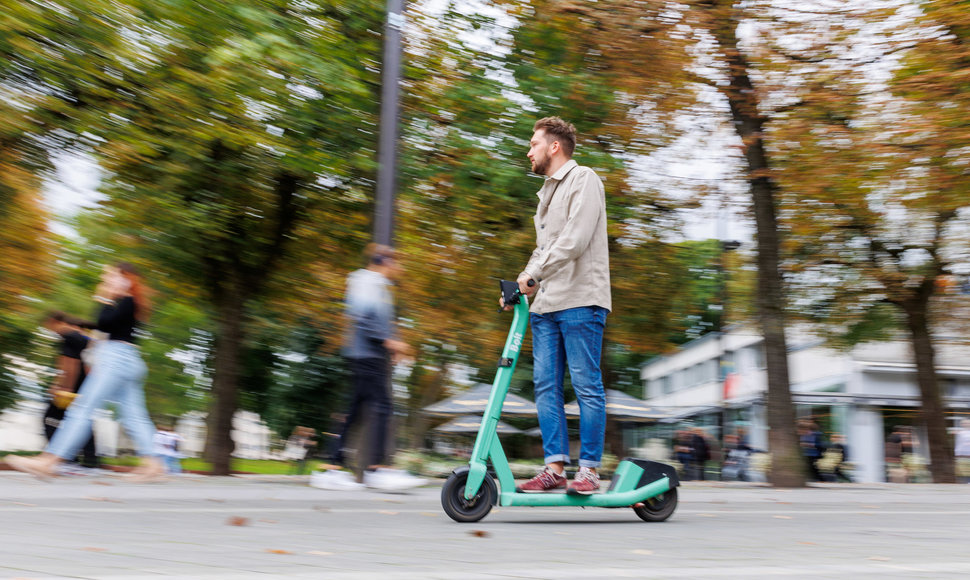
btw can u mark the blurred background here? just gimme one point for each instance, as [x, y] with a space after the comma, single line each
[230, 150]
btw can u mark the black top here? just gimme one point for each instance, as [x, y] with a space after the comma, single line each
[72, 344]
[118, 320]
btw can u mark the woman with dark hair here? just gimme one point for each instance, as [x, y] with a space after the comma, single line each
[117, 375]
[73, 370]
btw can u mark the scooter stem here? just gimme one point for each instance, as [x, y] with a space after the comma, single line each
[488, 430]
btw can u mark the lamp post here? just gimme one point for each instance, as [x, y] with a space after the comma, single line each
[388, 128]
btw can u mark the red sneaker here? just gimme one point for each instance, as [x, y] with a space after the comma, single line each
[586, 482]
[545, 480]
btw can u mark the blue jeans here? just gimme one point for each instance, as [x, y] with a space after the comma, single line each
[117, 375]
[575, 337]
[173, 464]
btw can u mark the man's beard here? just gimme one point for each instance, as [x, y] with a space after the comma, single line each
[539, 167]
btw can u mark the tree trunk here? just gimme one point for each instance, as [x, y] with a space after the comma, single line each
[932, 412]
[787, 465]
[225, 381]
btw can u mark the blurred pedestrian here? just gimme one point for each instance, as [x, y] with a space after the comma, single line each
[71, 373]
[570, 273]
[700, 452]
[835, 460]
[684, 452]
[961, 449]
[736, 457]
[372, 347]
[117, 375]
[838, 443]
[168, 446]
[895, 472]
[813, 446]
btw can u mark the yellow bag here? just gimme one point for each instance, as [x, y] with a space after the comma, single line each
[63, 399]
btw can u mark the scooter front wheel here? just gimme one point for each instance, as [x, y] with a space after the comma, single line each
[659, 507]
[464, 510]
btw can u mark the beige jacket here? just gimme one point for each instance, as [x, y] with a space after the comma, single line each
[571, 262]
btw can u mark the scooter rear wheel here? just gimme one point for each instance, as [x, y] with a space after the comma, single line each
[658, 508]
[465, 510]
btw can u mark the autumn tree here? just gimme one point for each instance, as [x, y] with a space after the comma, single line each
[878, 223]
[26, 261]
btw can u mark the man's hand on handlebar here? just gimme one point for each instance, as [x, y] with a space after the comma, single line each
[527, 285]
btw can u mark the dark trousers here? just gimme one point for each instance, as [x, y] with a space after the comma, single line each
[371, 390]
[52, 420]
[699, 468]
[813, 472]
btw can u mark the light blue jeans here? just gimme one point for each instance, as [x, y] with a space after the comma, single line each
[575, 337]
[173, 464]
[117, 375]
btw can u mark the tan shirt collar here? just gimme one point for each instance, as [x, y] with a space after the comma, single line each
[558, 175]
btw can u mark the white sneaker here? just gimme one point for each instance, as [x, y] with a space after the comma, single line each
[334, 479]
[385, 479]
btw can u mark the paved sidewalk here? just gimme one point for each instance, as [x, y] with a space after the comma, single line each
[197, 527]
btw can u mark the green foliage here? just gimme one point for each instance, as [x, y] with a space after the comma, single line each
[309, 386]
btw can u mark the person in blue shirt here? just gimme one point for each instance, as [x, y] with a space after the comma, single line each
[372, 346]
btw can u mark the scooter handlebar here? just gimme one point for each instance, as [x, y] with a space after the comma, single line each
[511, 292]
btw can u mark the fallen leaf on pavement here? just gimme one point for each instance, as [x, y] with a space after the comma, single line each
[278, 551]
[237, 521]
[479, 533]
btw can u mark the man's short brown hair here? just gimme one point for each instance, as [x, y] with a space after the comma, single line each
[379, 254]
[558, 130]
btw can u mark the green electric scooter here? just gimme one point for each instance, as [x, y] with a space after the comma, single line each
[649, 487]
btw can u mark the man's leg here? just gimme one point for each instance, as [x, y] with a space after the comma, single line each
[582, 331]
[547, 373]
[358, 379]
[378, 393]
[548, 369]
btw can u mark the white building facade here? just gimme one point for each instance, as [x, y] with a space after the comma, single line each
[719, 382]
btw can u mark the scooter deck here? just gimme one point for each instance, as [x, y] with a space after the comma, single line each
[609, 498]
[634, 481]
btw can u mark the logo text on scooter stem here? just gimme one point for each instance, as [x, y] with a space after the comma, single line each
[516, 342]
